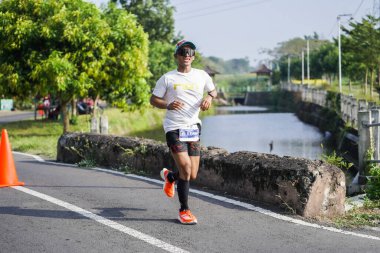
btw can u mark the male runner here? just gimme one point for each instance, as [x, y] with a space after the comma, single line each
[181, 92]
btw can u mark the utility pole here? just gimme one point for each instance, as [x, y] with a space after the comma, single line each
[340, 50]
[288, 68]
[308, 62]
[303, 67]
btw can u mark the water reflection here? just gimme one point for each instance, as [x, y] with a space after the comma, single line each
[256, 131]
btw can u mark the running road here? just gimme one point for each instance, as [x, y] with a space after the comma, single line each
[63, 208]
[10, 116]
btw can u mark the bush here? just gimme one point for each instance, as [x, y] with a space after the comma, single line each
[74, 120]
[373, 185]
[336, 160]
[23, 104]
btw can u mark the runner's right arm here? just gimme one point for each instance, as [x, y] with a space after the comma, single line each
[162, 104]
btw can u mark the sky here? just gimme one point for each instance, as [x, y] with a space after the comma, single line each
[231, 29]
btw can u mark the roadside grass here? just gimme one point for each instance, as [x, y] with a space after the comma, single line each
[358, 216]
[40, 136]
[34, 137]
[367, 215]
[146, 123]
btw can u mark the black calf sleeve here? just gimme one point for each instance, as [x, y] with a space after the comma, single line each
[183, 193]
[173, 176]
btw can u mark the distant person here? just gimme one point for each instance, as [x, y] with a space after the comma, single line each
[82, 107]
[46, 105]
[54, 114]
[181, 93]
[270, 147]
[90, 105]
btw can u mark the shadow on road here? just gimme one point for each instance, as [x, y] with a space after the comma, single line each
[90, 186]
[109, 213]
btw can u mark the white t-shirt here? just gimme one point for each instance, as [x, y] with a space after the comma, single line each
[187, 88]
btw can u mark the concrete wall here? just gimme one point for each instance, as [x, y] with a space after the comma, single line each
[309, 188]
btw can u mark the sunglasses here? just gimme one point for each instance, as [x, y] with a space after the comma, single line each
[186, 52]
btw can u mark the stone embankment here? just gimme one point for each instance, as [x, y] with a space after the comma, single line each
[309, 188]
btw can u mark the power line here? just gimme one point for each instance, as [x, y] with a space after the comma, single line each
[212, 6]
[376, 8]
[220, 10]
[185, 2]
[357, 9]
[333, 28]
[223, 10]
[353, 16]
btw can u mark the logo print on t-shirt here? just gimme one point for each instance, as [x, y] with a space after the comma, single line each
[186, 86]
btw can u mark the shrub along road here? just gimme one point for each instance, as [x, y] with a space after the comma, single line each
[68, 209]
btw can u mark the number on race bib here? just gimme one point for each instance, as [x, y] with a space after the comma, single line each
[189, 134]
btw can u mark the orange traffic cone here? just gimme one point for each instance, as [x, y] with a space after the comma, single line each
[8, 175]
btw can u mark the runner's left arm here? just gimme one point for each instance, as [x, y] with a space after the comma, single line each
[206, 103]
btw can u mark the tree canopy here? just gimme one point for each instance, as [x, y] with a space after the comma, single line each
[156, 16]
[361, 44]
[68, 48]
[240, 65]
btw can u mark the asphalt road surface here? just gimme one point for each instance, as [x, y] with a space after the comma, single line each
[68, 209]
[10, 116]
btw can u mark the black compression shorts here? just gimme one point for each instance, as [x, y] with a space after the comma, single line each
[193, 148]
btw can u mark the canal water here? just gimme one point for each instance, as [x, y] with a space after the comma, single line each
[250, 128]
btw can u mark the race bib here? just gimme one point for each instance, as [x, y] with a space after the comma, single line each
[189, 134]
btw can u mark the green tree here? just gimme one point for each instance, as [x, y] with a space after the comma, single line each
[283, 67]
[362, 41]
[296, 45]
[232, 66]
[125, 68]
[237, 65]
[326, 59]
[215, 63]
[157, 19]
[295, 66]
[156, 16]
[293, 49]
[68, 48]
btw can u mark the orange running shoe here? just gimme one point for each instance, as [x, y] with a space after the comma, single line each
[168, 186]
[186, 217]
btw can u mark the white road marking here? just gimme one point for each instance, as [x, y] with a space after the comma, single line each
[126, 230]
[233, 202]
